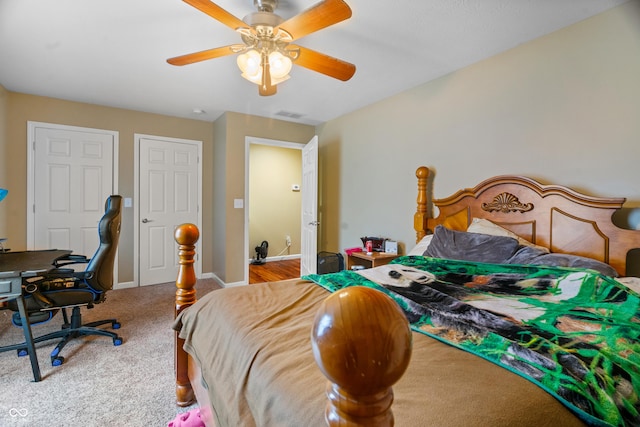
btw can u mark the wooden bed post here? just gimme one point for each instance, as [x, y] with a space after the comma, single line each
[362, 343]
[419, 218]
[186, 236]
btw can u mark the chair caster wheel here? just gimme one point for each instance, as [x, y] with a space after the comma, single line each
[57, 361]
[117, 341]
[22, 352]
[115, 325]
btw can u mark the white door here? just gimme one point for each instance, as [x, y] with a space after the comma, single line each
[309, 232]
[72, 172]
[168, 195]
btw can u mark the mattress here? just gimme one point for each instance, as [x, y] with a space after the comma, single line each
[253, 346]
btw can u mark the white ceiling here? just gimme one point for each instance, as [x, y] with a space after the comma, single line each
[113, 52]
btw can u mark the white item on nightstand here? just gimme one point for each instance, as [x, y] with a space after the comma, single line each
[391, 247]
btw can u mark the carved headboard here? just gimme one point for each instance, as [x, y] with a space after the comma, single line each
[553, 216]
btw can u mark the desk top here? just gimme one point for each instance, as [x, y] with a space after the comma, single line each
[30, 261]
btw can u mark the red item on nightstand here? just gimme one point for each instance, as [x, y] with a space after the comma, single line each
[349, 251]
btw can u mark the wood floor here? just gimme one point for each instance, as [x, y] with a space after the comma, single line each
[274, 270]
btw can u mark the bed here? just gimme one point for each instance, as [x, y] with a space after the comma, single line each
[264, 354]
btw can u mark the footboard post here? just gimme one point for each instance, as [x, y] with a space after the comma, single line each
[186, 235]
[362, 342]
[420, 217]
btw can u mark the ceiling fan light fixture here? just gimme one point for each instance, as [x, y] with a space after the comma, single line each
[250, 63]
[280, 65]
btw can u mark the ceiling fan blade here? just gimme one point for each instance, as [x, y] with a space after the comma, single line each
[216, 12]
[191, 58]
[325, 64]
[317, 17]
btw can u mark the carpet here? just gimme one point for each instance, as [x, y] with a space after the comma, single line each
[99, 384]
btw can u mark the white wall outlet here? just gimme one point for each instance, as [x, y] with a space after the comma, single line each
[238, 203]
[295, 187]
[288, 238]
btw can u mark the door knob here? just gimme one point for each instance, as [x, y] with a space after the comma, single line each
[314, 223]
[145, 220]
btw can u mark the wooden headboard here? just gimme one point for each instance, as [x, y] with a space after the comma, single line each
[553, 216]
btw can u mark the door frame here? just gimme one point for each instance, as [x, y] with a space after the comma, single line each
[136, 201]
[248, 140]
[31, 135]
[309, 225]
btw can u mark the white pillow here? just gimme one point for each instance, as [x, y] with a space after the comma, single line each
[422, 245]
[484, 226]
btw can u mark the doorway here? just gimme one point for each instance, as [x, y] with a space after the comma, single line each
[279, 179]
[167, 193]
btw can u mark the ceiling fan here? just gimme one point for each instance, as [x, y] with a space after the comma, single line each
[267, 52]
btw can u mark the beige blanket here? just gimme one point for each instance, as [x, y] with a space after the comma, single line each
[254, 348]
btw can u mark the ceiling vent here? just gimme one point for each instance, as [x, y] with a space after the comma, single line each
[289, 114]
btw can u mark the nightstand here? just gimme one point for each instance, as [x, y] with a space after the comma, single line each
[369, 261]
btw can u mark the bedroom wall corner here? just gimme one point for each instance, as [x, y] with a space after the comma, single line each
[330, 176]
[218, 186]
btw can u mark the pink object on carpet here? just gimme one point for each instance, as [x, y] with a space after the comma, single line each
[187, 419]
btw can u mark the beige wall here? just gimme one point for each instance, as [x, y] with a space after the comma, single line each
[561, 108]
[229, 263]
[222, 233]
[22, 108]
[274, 209]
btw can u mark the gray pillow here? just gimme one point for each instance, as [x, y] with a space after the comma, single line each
[566, 260]
[476, 247]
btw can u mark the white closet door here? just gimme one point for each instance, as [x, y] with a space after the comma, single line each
[169, 190]
[72, 178]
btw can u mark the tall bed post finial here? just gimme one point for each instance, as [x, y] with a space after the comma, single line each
[352, 332]
[420, 217]
[186, 235]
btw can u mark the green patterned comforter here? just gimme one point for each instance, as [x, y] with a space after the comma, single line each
[572, 332]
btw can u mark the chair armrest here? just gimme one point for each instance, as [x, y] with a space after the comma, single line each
[70, 259]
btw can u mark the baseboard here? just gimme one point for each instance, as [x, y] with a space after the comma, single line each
[124, 285]
[223, 284]
[280, 258]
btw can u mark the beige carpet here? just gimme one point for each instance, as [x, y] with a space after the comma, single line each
[99, 384]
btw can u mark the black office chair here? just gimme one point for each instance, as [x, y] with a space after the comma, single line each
[64, 288]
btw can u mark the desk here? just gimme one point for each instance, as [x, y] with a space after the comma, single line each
[14, 266]
[30, 263]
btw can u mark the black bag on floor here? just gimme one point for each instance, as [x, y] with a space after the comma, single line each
[330, 262]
